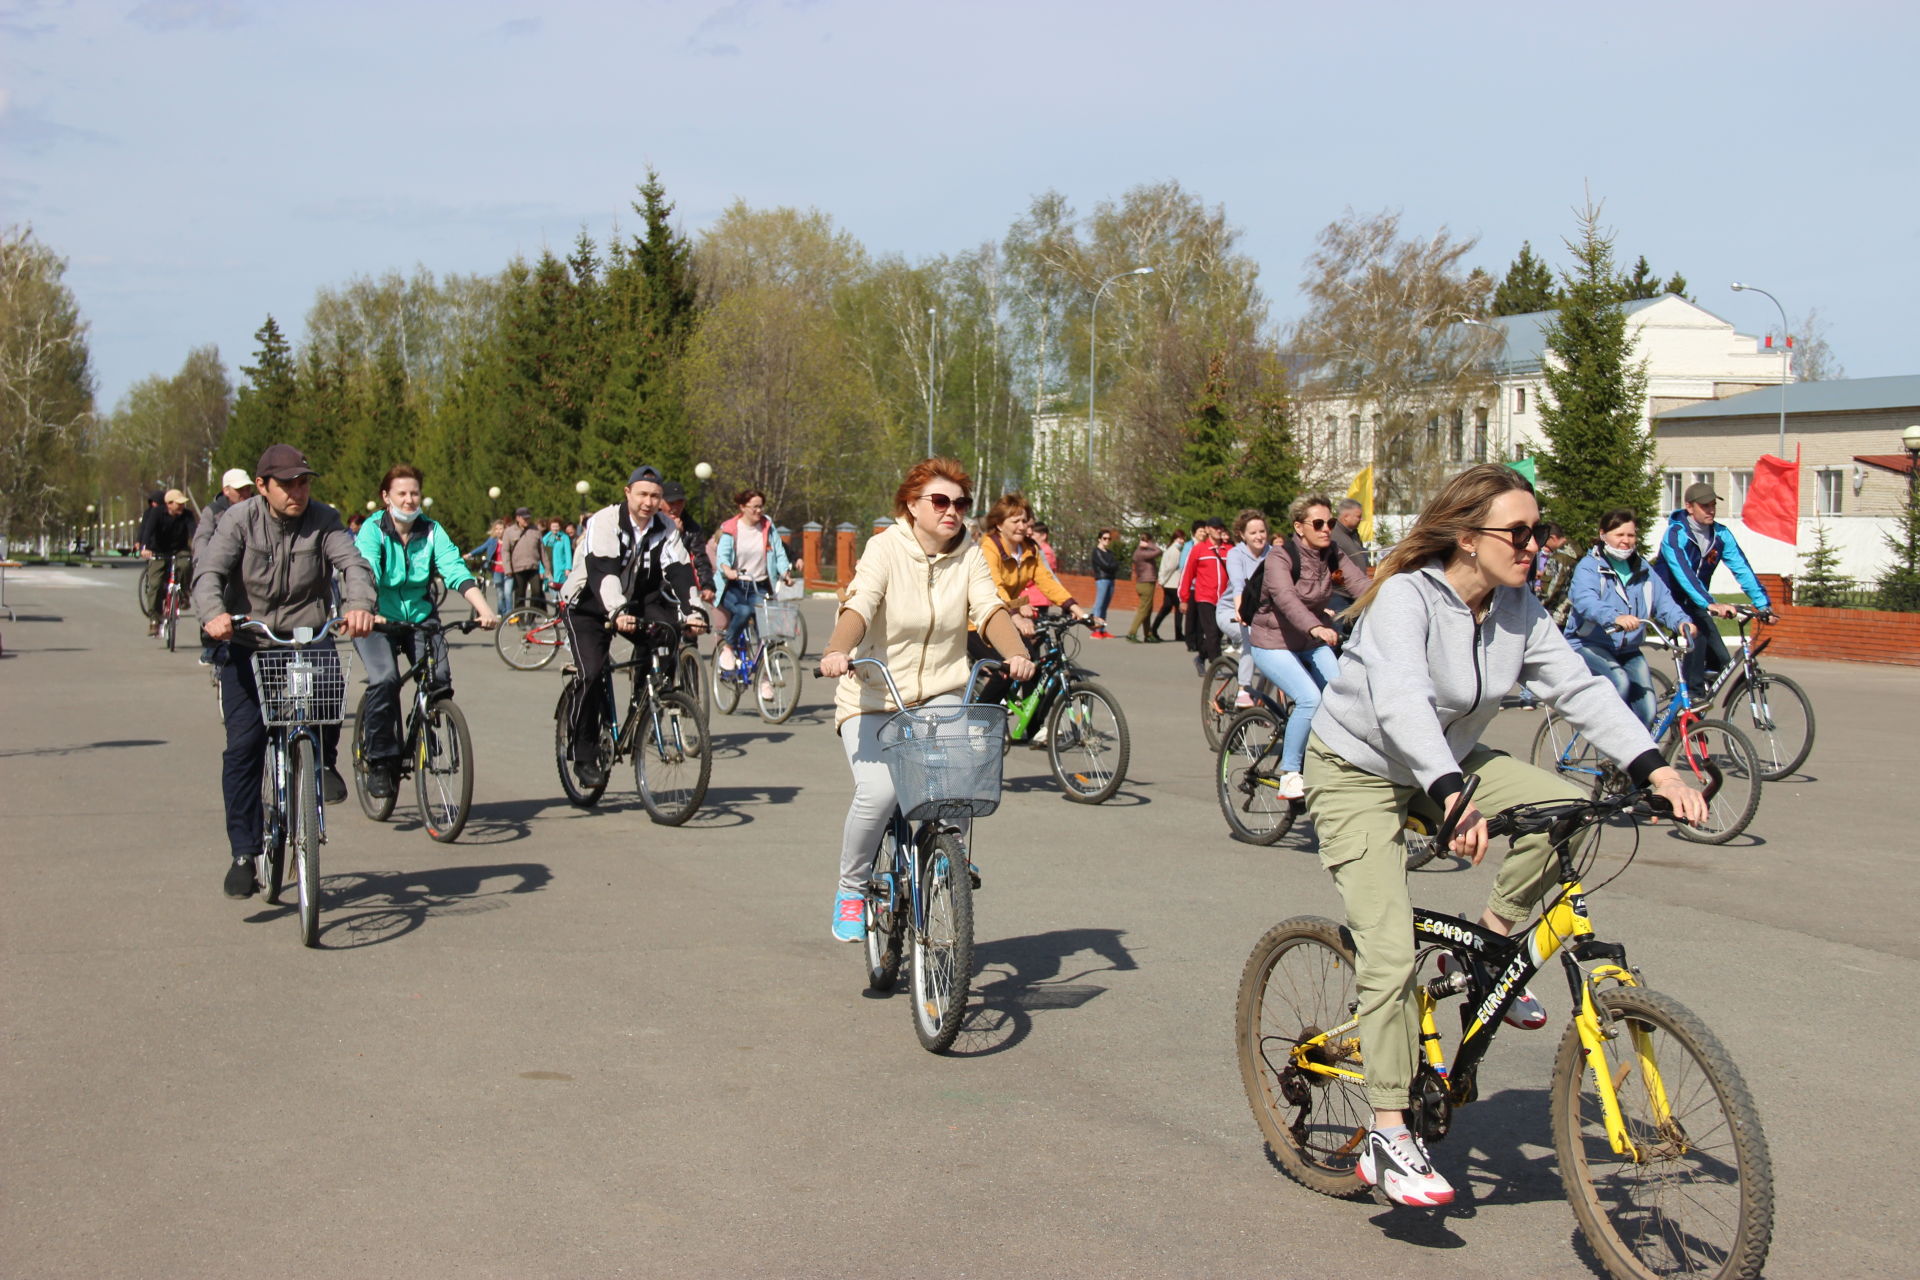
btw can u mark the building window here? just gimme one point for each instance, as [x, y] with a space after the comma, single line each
[1353, 436]
[1519, 399]
[1676, 484]
[1737, 497]
[1703, 477]
[1479, 435]
[1333, 433]
[1828, 485]
[1457, 437]
[1433, 436]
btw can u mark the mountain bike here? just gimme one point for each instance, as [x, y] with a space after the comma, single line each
[763, 659]
[1660, 1148]
[1718, 755]
[302, 681]
[1247, 777]
[1079, 722]
[1772, 710]
[663, 730]
[436, 749]
[945, 762]
[529, 636]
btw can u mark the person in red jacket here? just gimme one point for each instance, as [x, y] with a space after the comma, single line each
[1200, 589]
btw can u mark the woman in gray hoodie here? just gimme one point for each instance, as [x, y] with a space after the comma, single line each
[1447, 626]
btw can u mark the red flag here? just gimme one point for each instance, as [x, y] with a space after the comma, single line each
[1773, 499]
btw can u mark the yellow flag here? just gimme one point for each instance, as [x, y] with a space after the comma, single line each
[1362, 492]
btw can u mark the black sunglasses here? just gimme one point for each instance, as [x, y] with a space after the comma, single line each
[1519, 535]
[1316, 524]
[941, 501]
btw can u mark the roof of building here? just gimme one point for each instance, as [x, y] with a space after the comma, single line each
[1900, 462]
[1842, 395]
[1524, 344]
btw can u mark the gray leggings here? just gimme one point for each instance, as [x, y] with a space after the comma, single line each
[873, 798]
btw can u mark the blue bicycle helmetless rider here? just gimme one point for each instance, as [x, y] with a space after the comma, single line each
[1694, 545]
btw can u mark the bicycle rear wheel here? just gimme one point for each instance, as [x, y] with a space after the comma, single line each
[690, 677]
[943, 952]
[1777, 717]
[1247, 778]
[671, 763]
[1218, 688]
[270, 865]
[1715, 747]
[1087, 744]
[303, 830]
[1298, 984]
[580, 796]
[1694, 1196]
[726, 684]
[777, 685]
[379, 808]
[527, 638]
[443, 771]
[885, 909]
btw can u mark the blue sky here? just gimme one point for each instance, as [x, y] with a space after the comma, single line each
[204, 162]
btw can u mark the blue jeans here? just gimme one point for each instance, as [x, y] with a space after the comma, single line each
[1629, 676]
[738, 601]
[1102, 597]
[1301, 676]
[503, 593]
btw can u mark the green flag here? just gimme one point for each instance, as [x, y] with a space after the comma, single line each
[1525, 468]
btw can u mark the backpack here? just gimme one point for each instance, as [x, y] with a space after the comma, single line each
[1254, 594]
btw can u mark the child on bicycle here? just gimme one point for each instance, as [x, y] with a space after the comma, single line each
[1447, 626]
[404, 547]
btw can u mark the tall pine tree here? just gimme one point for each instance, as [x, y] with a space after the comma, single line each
[263, 409]
[1599, 452]
[1528, 286]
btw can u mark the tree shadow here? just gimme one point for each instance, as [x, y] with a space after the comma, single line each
[113, 744]
[364, 909]
[1017, 977]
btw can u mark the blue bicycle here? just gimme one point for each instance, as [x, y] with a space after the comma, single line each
[1721, 759]
[764, 659]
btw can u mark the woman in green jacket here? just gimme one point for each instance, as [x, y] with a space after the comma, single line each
[405, 549]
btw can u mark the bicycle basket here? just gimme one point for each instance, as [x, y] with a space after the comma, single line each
[778, 620]
[945, 761]
[299, 686]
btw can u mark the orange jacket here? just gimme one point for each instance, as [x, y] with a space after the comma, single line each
[1012, 577]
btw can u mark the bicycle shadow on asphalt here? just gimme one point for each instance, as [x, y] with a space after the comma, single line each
[1016, 977]
[728, 806]
[113, 744]
[732, 746]
[364, 909]
[496, 822]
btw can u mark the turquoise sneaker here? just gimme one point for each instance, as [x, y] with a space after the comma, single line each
[849, 918]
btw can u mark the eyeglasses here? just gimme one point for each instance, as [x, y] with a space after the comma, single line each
[1519, 535]
[1316, 524]
[941, 502]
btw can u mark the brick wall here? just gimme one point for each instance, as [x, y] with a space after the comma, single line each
[1839, 635]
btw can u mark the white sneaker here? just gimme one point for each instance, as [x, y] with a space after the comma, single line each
[1399, 1166]
[1242, 700]
[1039, 739]
[1526, 1012]
[1293, 786]
[728, 660]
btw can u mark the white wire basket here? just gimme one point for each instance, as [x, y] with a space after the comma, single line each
[778, 620]
[302, 685]
[945, 761]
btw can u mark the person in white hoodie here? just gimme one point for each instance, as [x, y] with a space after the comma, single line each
[1447, 626]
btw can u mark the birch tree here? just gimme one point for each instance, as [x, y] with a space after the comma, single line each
[46, 385]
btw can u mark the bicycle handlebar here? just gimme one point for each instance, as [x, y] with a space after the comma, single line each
[972, 676]
[1530, 819]
[387, 626]
[331, 629]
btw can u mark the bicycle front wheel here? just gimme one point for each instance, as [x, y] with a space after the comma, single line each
[777, 686]
[885, 909]
[527, 639]
[943, 951]
[1559, 748]
[725, 682]
[1087, 744]
[1297, 986]
[170, 620]
[1715, 748]
[578, 794]
[303, 831]
[379, 808]
[1694, 1194]
[443, 771]
[1218, 688]
[671, 763]
[1247, 778]
[1777, 717]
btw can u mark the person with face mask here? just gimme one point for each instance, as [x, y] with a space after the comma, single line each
[1614, 587]
[405, 547]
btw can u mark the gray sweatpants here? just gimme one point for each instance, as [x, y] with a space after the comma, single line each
[873, 798]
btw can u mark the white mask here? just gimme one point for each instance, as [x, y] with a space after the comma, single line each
[401, 518]
[1616, 552]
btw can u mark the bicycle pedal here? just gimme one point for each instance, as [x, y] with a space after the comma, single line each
[973, 874]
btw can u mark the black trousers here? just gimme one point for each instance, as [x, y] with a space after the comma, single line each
[1203, 630]
[526, 588]
[1169, 602]
[380, 656]
[592, 647]
[1708, 657]
[241, 763]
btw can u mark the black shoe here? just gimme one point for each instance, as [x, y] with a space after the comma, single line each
[383, 778]
[239, 883]
[590, 775]
[333, 787]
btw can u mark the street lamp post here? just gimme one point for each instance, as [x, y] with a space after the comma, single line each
[1786, 356]
[1093, 347]
[933, 324]
[582, 487]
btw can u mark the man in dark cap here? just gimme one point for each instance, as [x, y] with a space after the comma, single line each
[693, 534]
[273, 560]
[522, 543]
[1693, 546]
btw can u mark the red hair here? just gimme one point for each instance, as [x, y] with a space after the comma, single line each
[923, 473]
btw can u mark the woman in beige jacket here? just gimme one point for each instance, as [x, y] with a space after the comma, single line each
[918, 587]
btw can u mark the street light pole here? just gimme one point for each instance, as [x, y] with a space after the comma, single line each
[1093, 347]
[1786, 357]
[932, 324]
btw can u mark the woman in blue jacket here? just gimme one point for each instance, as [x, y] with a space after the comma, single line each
[1614, 587]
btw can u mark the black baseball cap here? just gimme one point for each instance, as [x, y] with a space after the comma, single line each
[283, 462]
[644, 472]
[674, 491]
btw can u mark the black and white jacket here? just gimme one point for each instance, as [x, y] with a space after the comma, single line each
[618, 562]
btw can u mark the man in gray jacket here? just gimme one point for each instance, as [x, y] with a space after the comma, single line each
[272, 558]
[522, 544]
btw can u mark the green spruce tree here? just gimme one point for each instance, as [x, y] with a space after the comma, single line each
[262, 410]
[1821, 584]
[1900, 585]
[1599, 454]
[1528, 286]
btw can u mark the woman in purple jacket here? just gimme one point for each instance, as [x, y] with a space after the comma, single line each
[1292, 633]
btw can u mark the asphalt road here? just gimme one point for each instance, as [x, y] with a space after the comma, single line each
[578, 1044]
